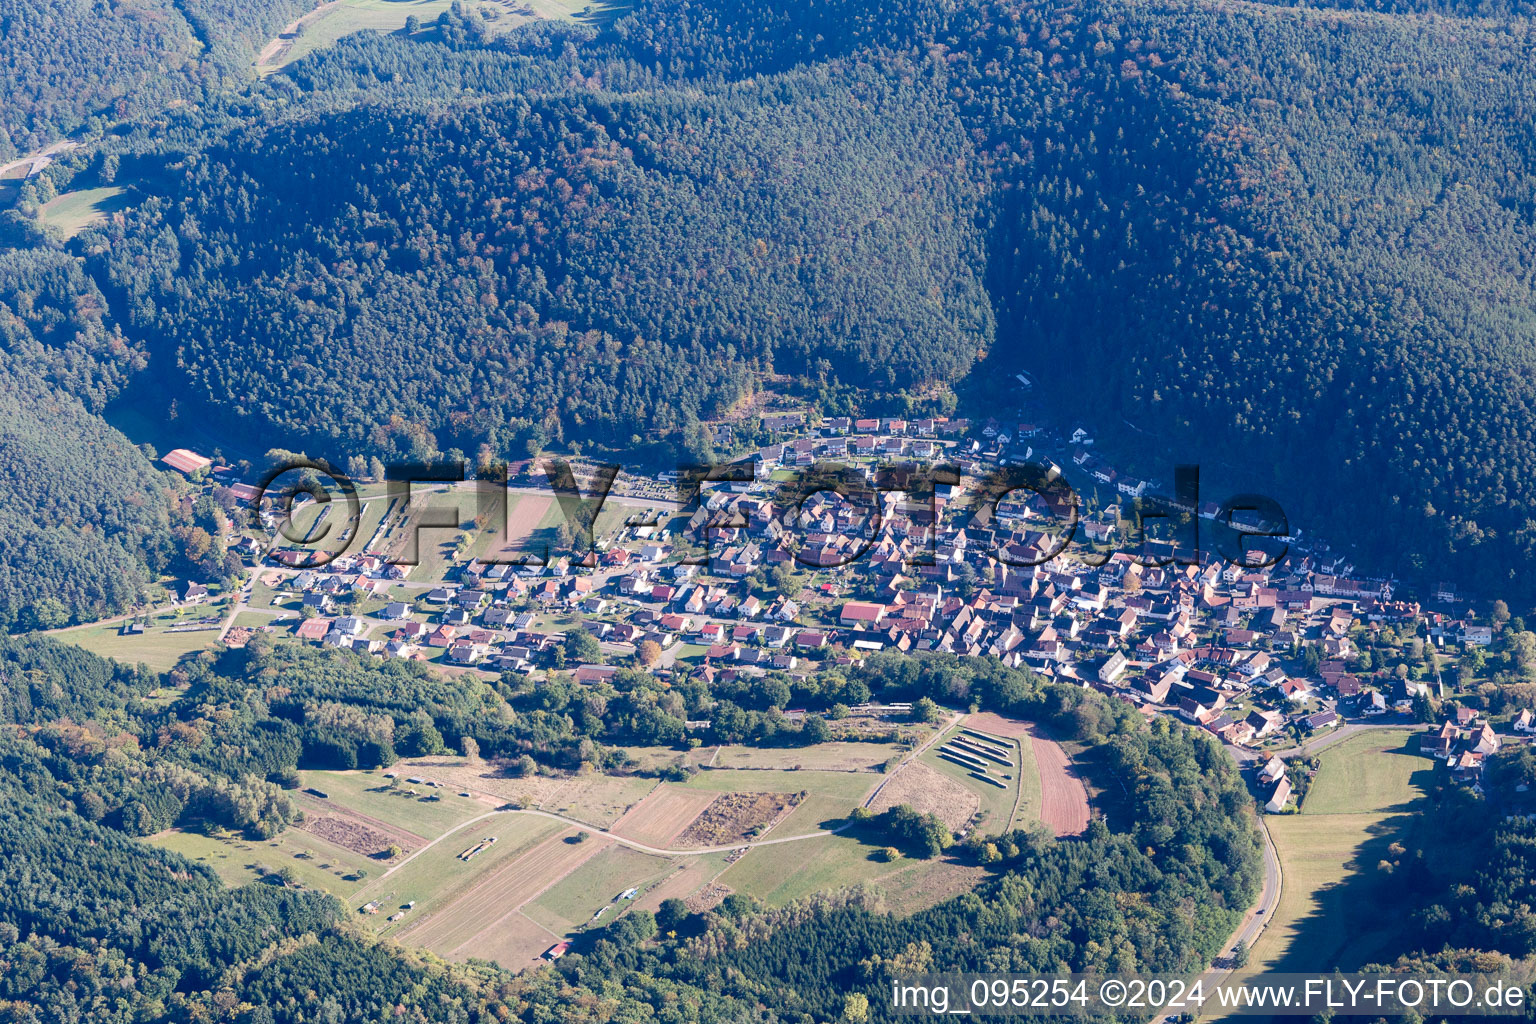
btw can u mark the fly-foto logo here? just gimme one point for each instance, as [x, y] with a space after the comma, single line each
[796, 510]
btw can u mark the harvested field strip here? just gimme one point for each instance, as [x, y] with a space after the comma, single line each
[523, 520]
[436, 877]
[689, 879]
[989, 780]
[661, 817]
[591, 892]
[515, 941]
[992, 726]
[1064, 799]
[501, 894]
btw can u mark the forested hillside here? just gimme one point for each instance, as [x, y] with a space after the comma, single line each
[1287, 243]
[1281, 243]
[590, 267]
[85, 513]
[69, 64]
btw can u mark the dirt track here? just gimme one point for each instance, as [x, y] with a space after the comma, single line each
[279, 47]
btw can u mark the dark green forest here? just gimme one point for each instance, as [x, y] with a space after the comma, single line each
[85, 514]
[72, 64]
[607, 268]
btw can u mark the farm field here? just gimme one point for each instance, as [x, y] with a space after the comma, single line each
[691, 875]
[527, 515]
[777, 876]
[928, 791]
[500, 893]
[924, 883]
[541, 879]
[1063, 803]
[828, 796]
[659, 818]
[333, 21]
[657, 758]
[1329, 910]
[849, 786]
[736, 818]
[597, 800]
[842, 756]
[437, 876]
[515, 942]
[1000, 809]
[570, 903]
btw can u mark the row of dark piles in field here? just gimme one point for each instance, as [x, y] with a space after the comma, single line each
[980, 755]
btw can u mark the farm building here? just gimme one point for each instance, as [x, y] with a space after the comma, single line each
[185, 461]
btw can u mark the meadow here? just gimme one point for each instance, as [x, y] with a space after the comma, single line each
[158, 646]
[73, 212]
[1331, 897]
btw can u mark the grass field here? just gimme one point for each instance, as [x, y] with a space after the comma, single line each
[369, 793]
[1377, 770]
[595, 799]
[344, 17]
[570, 903]
[835, 756]
[1331, 910]
[435, 546]
[849, 785]
[1001, 809]
[73, 212]
[336, 532]
[315, 862]
[778, 875]
[437, 877]
[157, 647]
